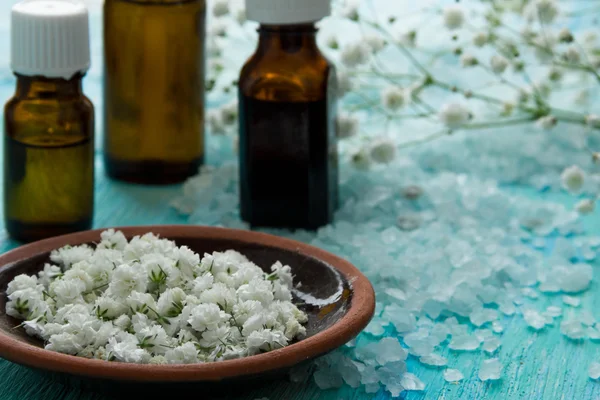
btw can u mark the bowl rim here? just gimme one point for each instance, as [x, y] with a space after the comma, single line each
[358, 315]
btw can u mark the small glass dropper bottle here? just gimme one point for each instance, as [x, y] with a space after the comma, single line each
[154, 89]
[48, 123]
[287, 100]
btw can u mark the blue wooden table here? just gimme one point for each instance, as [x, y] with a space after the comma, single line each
[541, 365]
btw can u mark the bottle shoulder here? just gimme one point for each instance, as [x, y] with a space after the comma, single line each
[285, 77]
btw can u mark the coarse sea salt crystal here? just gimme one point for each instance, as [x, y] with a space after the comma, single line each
[491, 345]
[434, 360]
[594, 370]
[571, 301]
[483, 316]
[534, 319]
[376, 327]
[553, 311]
[490, 370]
[592, 333]
[573, 329]
[464, 343]
[587, 318]
[497, 327]
[411, 382]
[453, 375]
[529, 292]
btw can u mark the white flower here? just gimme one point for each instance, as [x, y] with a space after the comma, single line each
[585, 206]
[109, 308]
[67, 291]
[244, 310]
[140, 321]
[393, 98]
[468, 60]
[546, 122]
[259, 290]
[240, 16]
[154, 339]
[543, 10]
[573, 179]
[265, 340]
[79, 277]
[48, 274]
[480, 39]
[216, 337]
[283, 273]
[454, 115]
[454, 17]
[202, 283]
[187, 261]
[361, 159]
[565, 36]
[592, 120]
[67, 256]
[218, 29]
[140, 302]
[293, 329]
[498, 64]
[219, 294]
[127, 279]
[220, 8]
[332, 42]
[355, 54]
[349, 11]
[344, 84]
[383, 150]
[104, 333]
[21, 282]
[112, 239]
[66, 343]
[170, 302]
[207, 317]
[184, 354]
[375, 42]
[409, 38]
[229, 113]
[281, 292]
[571, 55]
[247, 273]
[125, 348]
[123, 322]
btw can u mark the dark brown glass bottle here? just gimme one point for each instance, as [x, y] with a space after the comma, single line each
[288, 147]
[48, 123]
[154, 89]
[48, 159]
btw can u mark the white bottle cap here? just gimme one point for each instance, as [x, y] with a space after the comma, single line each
[50, 38]
[286, 12]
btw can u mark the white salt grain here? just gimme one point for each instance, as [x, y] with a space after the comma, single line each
[490, 370]
[571, 301]
[533, 319]
[573, 329]
[592, 333]
[497, 327]
[529, 292]
[553, 311]
[464, 343]
[411, 382]
[434, 360]
[491, 345]
[594, 370]
[483, 316]
[453, 375]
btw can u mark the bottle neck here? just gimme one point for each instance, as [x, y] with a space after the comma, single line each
[37, 87]
[287, 38]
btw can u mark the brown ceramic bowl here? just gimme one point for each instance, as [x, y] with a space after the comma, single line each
[324, 276]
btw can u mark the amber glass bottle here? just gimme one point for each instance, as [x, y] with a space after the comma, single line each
[288, 148]
[48, 124]
[153, 89]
